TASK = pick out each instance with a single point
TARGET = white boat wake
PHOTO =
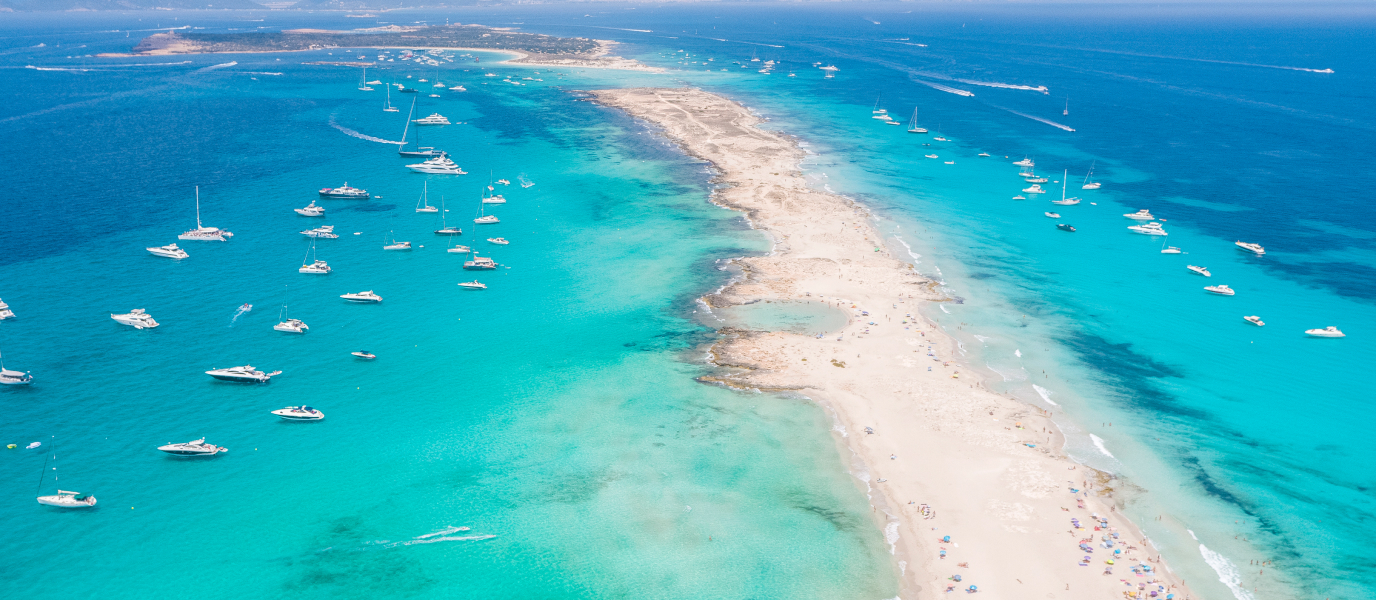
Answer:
(361, 136)
(945, 88)
(1008, 86)
(238, 312)
(1038, 119)
(213, 67)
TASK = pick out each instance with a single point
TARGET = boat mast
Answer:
(44, 473)
(198, 207)
(408, 124)
(1063, 176)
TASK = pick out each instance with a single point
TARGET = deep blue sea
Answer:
(555, 414)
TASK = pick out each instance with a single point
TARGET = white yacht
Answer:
(460, 250)
(486, 220)
(1052, 215)
(364, 354)
(5, 312)
(1035, 189)
(288, 324)
(346, 192)
(1255, 320)
(493, 198)
(472, 285)
(1220, 289)
(1152, 228)
(984, 154)
(137, 318)
(65, 499)
(440, 165)
(395, 245)
(367, 296)
(201, 232)
(1170, 250)
(299, 413)
(498, 241)
(1200, 270)
(323, 231)
(1328, 332)
(1037, 179)
(480, 263)
(1025, 162)
(244, 374)
(193, 448)
(1019, 197)
(1141, 215)
(311, 210)
(1253, 248)
(169, 251)
(433, 119)
(8, 377)
(458, 88)
(423, 205)
(829, 68)
(931, 156)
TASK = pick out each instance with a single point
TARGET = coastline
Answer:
(946, 457)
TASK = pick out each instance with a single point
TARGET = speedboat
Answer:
(323, 231)
(1200, 270)
(480, 263)
(345, 192)
(472, 285)
(364, 354)
(940, 139)
(1065, 227)
(1220, 289)
(367, 296)
(1019, 197)
(299, 413)
(1141, 215)
(1170, 250)
(398, 246)
(931, 156)
(1253, 248)
(311, 210)
(5, 312)
(136, 319)
(433, 119)
(1036, 179)
(65, 499)
(984, 154)
(193, 448)
(950, 162)
(1025, 162)
(458, 88)
(1035, 189)
(486, 220)
(1328, 332)
(1052, 215)
(499, 241)
(1255, 320)
(440, 165)
(504, 181)
(319, 267)
(291, 326)
(1152, 228)
(169, 251)
(244, 374)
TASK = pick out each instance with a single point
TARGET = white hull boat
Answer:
(193, 448)
(1221, 290)
(365, 297)
(137, 318)
(299, 413)
(168, 251)
(244, 374)
(1327, 332)
(65, 499)
(1253, 248)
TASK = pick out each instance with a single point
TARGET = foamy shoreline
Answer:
(989, 468)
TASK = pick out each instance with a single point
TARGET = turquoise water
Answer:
(531, 411)
(804, 317)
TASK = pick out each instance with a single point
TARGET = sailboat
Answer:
(446, 228)
(1067, 106)
(1090, 185)
(318, 267)
(938, 137)
(387, 105)
(288, 324)
(363, 82)
(1065, 201)
(395, 245)
(202, 232)
(8, 377)
(63, 498)
(420, 151)
(423, 205)
(483, 218)
(912, 123)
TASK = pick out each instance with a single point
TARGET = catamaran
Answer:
(912, 123)
(319, 267)
(202, 232)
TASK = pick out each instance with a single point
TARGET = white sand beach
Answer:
(963, 482)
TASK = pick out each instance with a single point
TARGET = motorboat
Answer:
(323, 231)
(65, 499)
(984, 154)
(367, 296)
(311, 210)
(460, 250)
(1026, 174)
(299, 413)
(1328, 332)
(498, 241)
(319, 267)
(440, 165)
(1200, 270)
(244, 374)
(5, 312)
(494, 199)
(458, 88)
(504, 181)
(480, 263)
(1152, 228)
(1019, 197)
(1035, 189)
(193, 448)
(931, 156)
(1170, 250)
(433, 119)
(1036, 179)
(169, 251)
(364, 354)
(829, 68)
(345, 192)
(1065, 227)
(395, 245)
(1051, 215)
(950, 162)
(1253, 248)
(1255, 320)
(1141, 215)
(137, 318)
(940, 139)
(1220, 289)
(201, 232)
(1025, 162)
(472, 285)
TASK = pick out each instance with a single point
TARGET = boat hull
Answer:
(65, 502)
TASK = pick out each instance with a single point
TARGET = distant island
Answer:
(531, 48)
